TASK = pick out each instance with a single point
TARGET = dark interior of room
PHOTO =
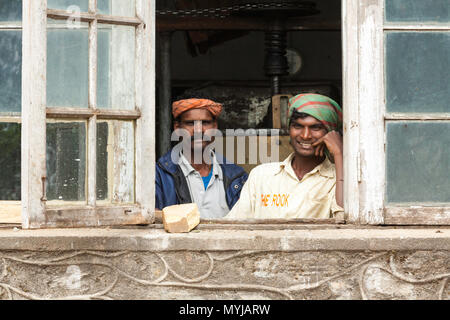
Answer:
(241, 53)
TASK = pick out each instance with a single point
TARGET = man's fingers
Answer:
(319, 150)
(318, 142)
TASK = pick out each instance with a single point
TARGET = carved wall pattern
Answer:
(224, 275)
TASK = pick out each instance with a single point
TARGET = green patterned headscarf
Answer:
(324, 109)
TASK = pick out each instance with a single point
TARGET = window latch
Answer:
(44, 189)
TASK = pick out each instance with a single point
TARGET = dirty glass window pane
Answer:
(67, 67)
(117, 7)
(69, 5)
(66, 160)
(418, 162)
(417, 10)
(10, 161)
(10, 70)
(10, 10)
(417, 71)
(103, 41)
(116, 66)
(115, 161)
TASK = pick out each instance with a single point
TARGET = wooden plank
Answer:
(69, 113)
(85, 113)
(398, 26)
(417, 215)
(89, 17)
(145, 100)
(116, 20)
(65, 15)
(10, 212)
(444, 116)
(92, 6)
(10, 25)
(371, 129)
(92, 123)
(34, 99)
(14, 119)
(350, 87)
(278, 115)
(276, 112)
(80, 217)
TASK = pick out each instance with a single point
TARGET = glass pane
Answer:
(417, 10)
(10, 71)
(116, 63)
(66, 161)
(69, 5)
(115, 161)
(418, 162)
(418, 71)
(117, 7)
(10, 10)
(10, 161)
(67, 67)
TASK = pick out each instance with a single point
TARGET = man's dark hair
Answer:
(297, 115)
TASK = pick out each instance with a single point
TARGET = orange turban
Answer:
(178, 107)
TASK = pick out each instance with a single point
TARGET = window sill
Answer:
(222, 238)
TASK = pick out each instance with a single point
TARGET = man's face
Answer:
(196, 122)
(304, 132)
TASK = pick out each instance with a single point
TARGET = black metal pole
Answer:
(276, 64)
(165, 94)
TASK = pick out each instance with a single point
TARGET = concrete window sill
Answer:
(221, 238)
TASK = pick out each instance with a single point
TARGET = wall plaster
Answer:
(167, 271)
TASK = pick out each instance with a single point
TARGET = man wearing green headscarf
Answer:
(309, 183)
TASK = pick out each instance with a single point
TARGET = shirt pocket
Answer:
(317, 206)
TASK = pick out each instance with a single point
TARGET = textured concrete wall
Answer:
(177, 273)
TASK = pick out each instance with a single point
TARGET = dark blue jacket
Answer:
(172, 187)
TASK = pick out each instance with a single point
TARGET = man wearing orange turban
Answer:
(214, 184)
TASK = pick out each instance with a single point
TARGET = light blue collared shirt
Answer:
(211, 201)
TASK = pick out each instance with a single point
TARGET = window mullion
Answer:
(350, 88)
(34, 99)
(145, 102)
(371, 128)
(92, 122)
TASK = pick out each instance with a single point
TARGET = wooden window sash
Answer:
(350, 90)
(86, 113)
(363, 92)
(36, 213)
(90, 17)
(10, 209)
(417, 213)
(416, 27)
(364, 143)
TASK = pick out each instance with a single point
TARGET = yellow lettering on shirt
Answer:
(265, 200)
(278, 200)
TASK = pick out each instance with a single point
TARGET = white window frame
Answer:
(35, 212)
(364, 132)
(363, 29)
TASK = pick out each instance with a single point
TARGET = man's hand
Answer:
(332, 141)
